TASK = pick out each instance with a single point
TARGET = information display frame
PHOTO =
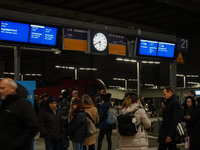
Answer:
(44, 42)
(153, 49)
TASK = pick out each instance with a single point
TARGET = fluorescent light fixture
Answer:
(12, 73)
(39, 74)
(179, 75)
(156, 62)
(148, 84)
(144, 62)
(126, 59)
(114, 78)
(5, 72)
(150, 62)
(94, 68)
(192, 76)
(88, 69)
(71, 67)
(82, 68)
(27, 74)
(57, 66)
(119, 59)
(33, 74)
(133, 61)
(132, 79)
(192, 82)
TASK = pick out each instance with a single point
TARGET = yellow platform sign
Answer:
(180, 59)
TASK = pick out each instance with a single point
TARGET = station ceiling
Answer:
(176, 17)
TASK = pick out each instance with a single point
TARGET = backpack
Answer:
(181, 132)
(112, 116)
(125, 125)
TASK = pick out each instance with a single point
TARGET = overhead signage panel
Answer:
(27, 34)
(117, 44)
(74, 39)
(155, 49)
(12, 31)
(182, 44)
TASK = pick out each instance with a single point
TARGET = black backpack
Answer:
(125, 125)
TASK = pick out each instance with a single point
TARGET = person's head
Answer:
(134, 98)
(126, 95)
(102, 92)
(7, 87)
(190, 101)
(198, 101)
(127, 102)
(168, 92)
(87, 99)
(35, 97)
(192, 93)
(63, 90)
(75, 93)
(77, 104)
(45, 97)
(142, 98)
(52, 102)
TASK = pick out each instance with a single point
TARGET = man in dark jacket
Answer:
(172, 116)
(104, 127)
(99, 99)
(18, 121)
(50, 124)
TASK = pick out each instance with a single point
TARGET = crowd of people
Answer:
(67, 118)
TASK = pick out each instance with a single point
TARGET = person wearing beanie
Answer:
(193, 127)
(104, 127)
(50, 124)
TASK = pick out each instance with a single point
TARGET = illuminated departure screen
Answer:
(148, 47)
(12, 31)
(166, 49)
(43, 35)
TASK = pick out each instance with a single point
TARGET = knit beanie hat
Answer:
(51, 99)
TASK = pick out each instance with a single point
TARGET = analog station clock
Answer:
(97, 42)
(100, 41)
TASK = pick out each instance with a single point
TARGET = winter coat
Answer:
(77, 126)
(172, 115)
(49, 123)
(92, 111)
(194, 128)
(139, 141)
(18, 121)
(103, 110)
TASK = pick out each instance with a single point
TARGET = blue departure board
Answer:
(43, 35)
(148, 47)
(155, 49)
(12, 31)
(166, 49)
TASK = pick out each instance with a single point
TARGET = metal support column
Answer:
(76, 73)
(138, 78)
(173, 82)
(17, 53)
(184, 81)
(126, 84)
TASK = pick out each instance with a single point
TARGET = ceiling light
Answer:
(126, 60)
(119, 59)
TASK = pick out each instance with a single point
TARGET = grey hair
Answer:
(87, 99)
(12, 83)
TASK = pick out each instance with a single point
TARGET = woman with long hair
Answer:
(138, 141)
(77, 127)
(90, 110)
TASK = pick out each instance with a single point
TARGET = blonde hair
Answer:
(87, 99)
(127, 102)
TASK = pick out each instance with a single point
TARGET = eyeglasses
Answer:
(189, 102)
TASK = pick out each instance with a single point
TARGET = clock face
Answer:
(100, 41)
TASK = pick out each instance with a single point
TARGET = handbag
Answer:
(187, 143)
(181, 132)
(90, 130)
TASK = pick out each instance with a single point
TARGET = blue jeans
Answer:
(52, 144)
(77, 145)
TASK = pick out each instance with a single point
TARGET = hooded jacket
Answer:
(139, 141)
(18, 121)
(103, 110)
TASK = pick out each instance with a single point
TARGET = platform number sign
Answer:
(182, 44)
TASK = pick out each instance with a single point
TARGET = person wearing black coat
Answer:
(50, 124)
(172, 116)
(193, 127)
(104, 127)
(77, 126)
(18, 121)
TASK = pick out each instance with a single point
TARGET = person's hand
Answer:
(188, 117)
(168, 139)
(100, 103)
